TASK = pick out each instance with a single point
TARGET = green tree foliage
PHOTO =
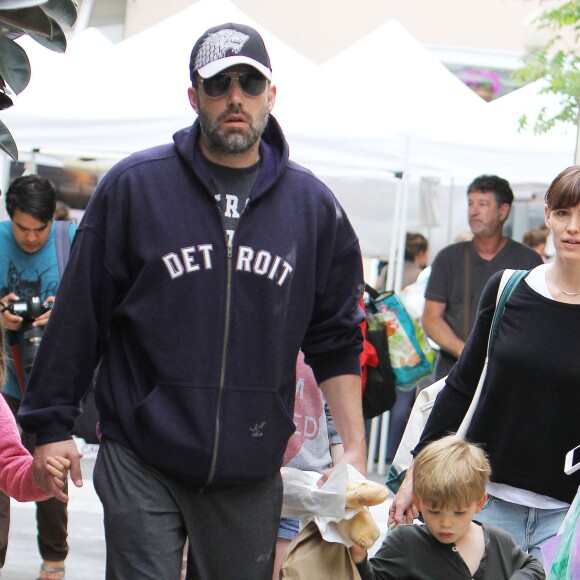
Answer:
(42, 20)
(558, 64)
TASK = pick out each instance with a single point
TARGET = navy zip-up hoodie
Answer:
(198, 339)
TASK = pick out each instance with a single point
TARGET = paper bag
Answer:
(309, 557)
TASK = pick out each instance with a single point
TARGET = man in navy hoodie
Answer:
(198, 272)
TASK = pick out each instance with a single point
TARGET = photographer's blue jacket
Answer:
(198, 338)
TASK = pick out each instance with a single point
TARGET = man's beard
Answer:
(483, 230)
(232, 141)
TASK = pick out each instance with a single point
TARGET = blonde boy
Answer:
(450, 476)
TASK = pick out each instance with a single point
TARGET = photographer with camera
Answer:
(29, 278)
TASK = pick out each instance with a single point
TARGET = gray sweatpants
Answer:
(148, 515)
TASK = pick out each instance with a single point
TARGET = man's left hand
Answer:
(357, 459)
(43, 479)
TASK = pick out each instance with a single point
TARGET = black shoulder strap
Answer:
(62, 240)
(466, 311)
(374, 294)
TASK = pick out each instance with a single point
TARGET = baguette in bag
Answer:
(361, 529)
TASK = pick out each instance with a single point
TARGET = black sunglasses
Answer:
(251, 83)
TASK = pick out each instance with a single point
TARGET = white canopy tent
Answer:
(377, 96)
(129, 98)
(62, 92)
(383, 106)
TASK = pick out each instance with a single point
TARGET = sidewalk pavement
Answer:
(86, 559)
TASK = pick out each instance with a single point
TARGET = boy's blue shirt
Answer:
(26, 275)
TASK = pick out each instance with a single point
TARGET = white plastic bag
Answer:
(324, 505)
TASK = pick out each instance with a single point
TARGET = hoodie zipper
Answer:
(229, 247)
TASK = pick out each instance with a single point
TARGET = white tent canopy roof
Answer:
(384, 105)
(133, 96)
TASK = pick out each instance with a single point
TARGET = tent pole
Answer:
(84, 16)
(381, 436)
(381, 466)
(450, 210)
(402, 233)
(372, 450)
(390, 283)
(401, 218)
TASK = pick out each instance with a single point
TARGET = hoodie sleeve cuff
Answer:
(343, 363)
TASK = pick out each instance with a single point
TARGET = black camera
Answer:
(29, 310)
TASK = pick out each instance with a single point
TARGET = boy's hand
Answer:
(357, 554)
(58, 467)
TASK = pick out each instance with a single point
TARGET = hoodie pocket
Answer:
(173, 429)
(253, 434)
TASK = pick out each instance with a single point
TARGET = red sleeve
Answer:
(368, 356)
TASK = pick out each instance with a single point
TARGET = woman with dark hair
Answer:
(527, 416)
(416, 252)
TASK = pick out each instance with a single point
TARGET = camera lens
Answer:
(31, 342)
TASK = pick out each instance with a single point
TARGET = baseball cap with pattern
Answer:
(226, 45)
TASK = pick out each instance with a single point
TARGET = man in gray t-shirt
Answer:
(451, 297)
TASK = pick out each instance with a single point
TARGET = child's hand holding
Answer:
(358, 554)
(58, 467)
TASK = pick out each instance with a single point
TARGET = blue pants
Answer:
(529, 527)
(148, 514)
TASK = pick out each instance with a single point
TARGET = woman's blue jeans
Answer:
(529, 527)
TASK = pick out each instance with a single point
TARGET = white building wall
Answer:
(322, 28)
